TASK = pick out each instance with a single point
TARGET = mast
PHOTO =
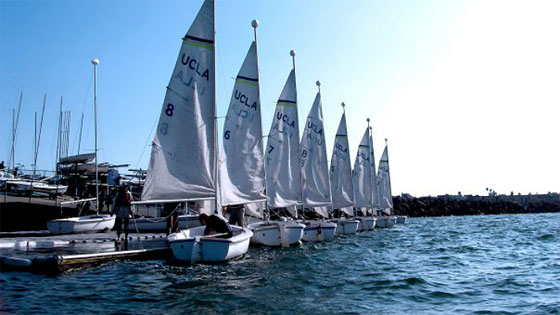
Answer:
(215, 127)
(38, 141)
(293, 54)
(255, 24)
(80, 138)
(59, 136)
(95, 62)
(389, 175)
(14, 132)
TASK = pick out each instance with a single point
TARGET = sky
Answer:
(466, 92)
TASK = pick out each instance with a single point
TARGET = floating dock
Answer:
(53, 254)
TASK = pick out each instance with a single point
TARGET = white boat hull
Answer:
(366, 223)
(346, 226)
(160, 224)
(190, 246)
(276, 233)
(84, 224)
(385, 222)
(318, 231)
(401, 219)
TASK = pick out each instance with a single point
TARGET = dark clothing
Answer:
(172, 220)
(119, 224)
(216, 225)
(236, 214)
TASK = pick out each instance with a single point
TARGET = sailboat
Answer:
(241, 163)
(387, 219)
(282, 169)
(316, 190)
(363, 197)
(183, 162)
(90, 223)
(340, 174)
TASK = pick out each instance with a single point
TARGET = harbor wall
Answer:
(448, 205)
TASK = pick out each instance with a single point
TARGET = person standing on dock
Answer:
(122, 208)
(236, 214)
(171, 213)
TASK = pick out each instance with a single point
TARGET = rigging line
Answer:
(150, 135)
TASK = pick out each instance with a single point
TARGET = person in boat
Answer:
(172, 217)
(236, 214)
(16, 172)
(215, 226)
(2, 166)
(122, 208)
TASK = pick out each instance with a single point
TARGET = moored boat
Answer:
(276, 233)
(191, 246)
(401, 219)
(185, 221)
(83, 224)
(346, 226)
(318, 231)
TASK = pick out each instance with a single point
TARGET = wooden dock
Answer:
(54, 254)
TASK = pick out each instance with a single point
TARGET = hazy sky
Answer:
(467, 92)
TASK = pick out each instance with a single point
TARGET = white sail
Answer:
(316, 190)
(283, 183)
(242, 159)
(341, 171)
(374, 193)
(182, 161)
(384, 183)
(362, 175)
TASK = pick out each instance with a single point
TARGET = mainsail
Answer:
(362, 175)
(374, 193)
(183, 151)
(314, 165)
(341, 170)
(241, 164)
(283, 184)
(384, 183)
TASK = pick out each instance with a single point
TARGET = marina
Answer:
(216, 168)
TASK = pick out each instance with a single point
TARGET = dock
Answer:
(33, 252)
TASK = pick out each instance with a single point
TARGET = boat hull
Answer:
(318, 231)
(276, 233)
(160, 224)
(401, 219)
(84, 224)
(190, 246)
(346, 226)
(385, 222)
(366, 223)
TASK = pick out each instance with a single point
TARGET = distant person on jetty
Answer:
(122, 208)
(170, 211)
(236, 214)
(215, 226)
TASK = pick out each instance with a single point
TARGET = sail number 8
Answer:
(169, 110)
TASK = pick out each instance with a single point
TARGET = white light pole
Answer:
(95, 62)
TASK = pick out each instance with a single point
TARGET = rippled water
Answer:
(485, 264)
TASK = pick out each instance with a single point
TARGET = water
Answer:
(475, 264)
